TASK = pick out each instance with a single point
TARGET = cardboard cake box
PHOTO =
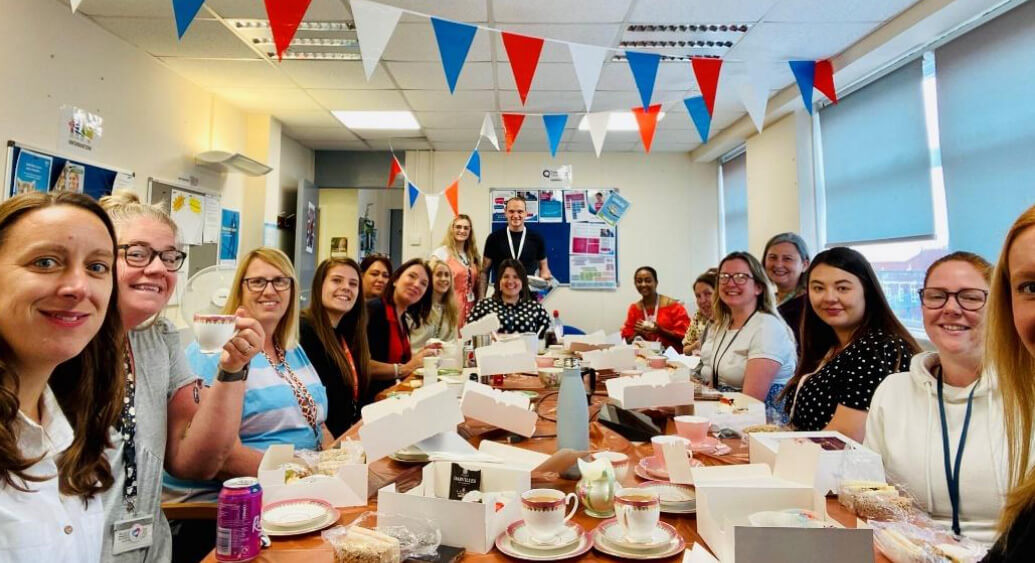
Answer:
(347, 487)
(866, 464)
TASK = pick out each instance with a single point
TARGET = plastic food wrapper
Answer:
(415, 536)
(904, 542)
(873, 500)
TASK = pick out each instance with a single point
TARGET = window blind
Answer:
(734, 202)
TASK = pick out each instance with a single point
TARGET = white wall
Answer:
(772, 183)
(672, 223)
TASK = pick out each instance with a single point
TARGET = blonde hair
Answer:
(286, 333)
(1014, 366)
(766, 302)
(450, 311)
(470, 246)
(124, 205)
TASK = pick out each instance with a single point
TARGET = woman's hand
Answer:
(645, 329)
(244, 345)
(417, 360)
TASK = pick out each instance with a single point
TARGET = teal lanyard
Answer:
(952, 474)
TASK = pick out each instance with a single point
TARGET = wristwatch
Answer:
(227, 377)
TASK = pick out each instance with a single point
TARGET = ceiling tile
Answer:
(416, 42)
(657, 147)
(459, 147)
(400, 145)
(542, 101)
(811, 11)
(601, 35)
(360, 100)
(474, 11)
(470, 136)
(548, 11)
(442, 100)
(319, 10)
(548, 76)
(267, 100)
(335, 75)
(338, 133)
(338, 145)
(206, 39)
(130, 8)
(676, 75)
(230, 74)
(299, 119)
(700, 11)
(421, 76)
(386, 135)
(451, 119)
(788, 41)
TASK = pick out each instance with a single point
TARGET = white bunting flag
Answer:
(75, 5)
(754, 93)
(432, 201)
(489, 131)
(598, 128)
(588, 61)
(374, 26)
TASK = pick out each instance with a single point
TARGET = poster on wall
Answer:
(188, 210)
(593, 272)
(574, 205)
(32, 172)
(614, 209)
(79, 129)
(213, 217)
(339, 247)
(551, 206)
(592, 238)
(499, 204)
(310, 227)
(531, 205)
(229, 235)
(71, 179)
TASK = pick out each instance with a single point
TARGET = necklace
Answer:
(716, 360)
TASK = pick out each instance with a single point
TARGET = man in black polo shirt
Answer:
(516, 242)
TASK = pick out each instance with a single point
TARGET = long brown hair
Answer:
(450, 310)
(470, 246)
(417, 312)
(286, 333)
(1014, 366)
(88, 387)
(352, 328)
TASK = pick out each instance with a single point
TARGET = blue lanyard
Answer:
(952, 474)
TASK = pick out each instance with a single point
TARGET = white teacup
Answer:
(213, 331)
(543, 511)
(430, 370)
(637, 511)
(619, 461)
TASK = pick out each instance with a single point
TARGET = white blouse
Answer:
(44, 525)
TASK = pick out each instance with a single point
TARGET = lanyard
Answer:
(521, 245)
(127, 426)
(653, 317)
(716, 362)
(952, 474)
(352, 367)
(305, 400)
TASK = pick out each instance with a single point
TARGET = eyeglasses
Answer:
(280, 283)
(141, 256)
(739, 278)
(970, 299)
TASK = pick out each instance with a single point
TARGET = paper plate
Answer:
(297, 513)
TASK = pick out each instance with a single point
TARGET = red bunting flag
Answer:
(511, 126)
(396, 169)
(824, 79)
(706, 72)
(523, 52)
(284, 16)
(452, 193)
(648, 122)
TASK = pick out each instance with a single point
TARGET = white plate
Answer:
(298, 513)
(616, 535)
(329, 519)
(507, 546)
(675, 546)
(520, 535)
(671, 493)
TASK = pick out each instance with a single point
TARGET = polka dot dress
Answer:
(525, 316)
(849, 379)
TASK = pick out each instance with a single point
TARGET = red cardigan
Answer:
(672, 317)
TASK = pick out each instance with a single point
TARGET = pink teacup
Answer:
(657, 442)
(657, 362)
(693, 428)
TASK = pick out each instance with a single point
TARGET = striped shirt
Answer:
(271, 414)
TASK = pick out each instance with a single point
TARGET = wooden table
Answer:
(311, 548)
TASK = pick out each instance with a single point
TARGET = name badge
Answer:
(133, 533)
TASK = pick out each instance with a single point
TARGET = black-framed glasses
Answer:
(969, 299)
(280, 283)
(739, 278)
(141, 256)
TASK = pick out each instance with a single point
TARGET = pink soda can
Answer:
(239, 520)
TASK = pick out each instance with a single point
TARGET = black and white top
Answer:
(525, 316)
(848, 379)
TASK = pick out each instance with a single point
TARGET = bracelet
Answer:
(396, 366)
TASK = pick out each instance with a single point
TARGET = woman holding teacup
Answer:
(333, 332)
(187, 437)
(655, 317)
(60, 377)
(944, 398)
(285, 402)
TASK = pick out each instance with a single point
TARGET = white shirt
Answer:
(45, 525)
(763, 336)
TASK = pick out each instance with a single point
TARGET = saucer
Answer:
(507, 546)
(614, 534)
(295, 513)
(330, 517)
(674, 546)
(520, 535)
(672, 494)
(650, 468)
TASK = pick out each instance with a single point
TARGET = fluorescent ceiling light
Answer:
(395, 120)
(619, 121)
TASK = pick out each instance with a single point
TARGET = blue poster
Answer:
(32, 172)
(229, 235)
(613, 209)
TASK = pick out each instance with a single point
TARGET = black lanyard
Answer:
(952, 474)
(126, 425)
(717, 359)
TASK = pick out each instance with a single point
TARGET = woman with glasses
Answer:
(947, 407)
(460, 252)
(187, 437)
(655, 317)
(377, 270)
(284, 402)
(441, 322)
(750, 349)
(850, 341)
(61, 385)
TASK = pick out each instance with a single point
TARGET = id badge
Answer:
(470, 297)
(133, 533)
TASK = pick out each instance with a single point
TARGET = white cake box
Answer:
(392, 425)
(728, 495)
(650, 390)
(866, 464)
(616, 358)
(511, 356)
(348, 487)
(745, 411)
(471, 525)
(503, 409)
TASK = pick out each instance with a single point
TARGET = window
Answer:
(733, 183)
